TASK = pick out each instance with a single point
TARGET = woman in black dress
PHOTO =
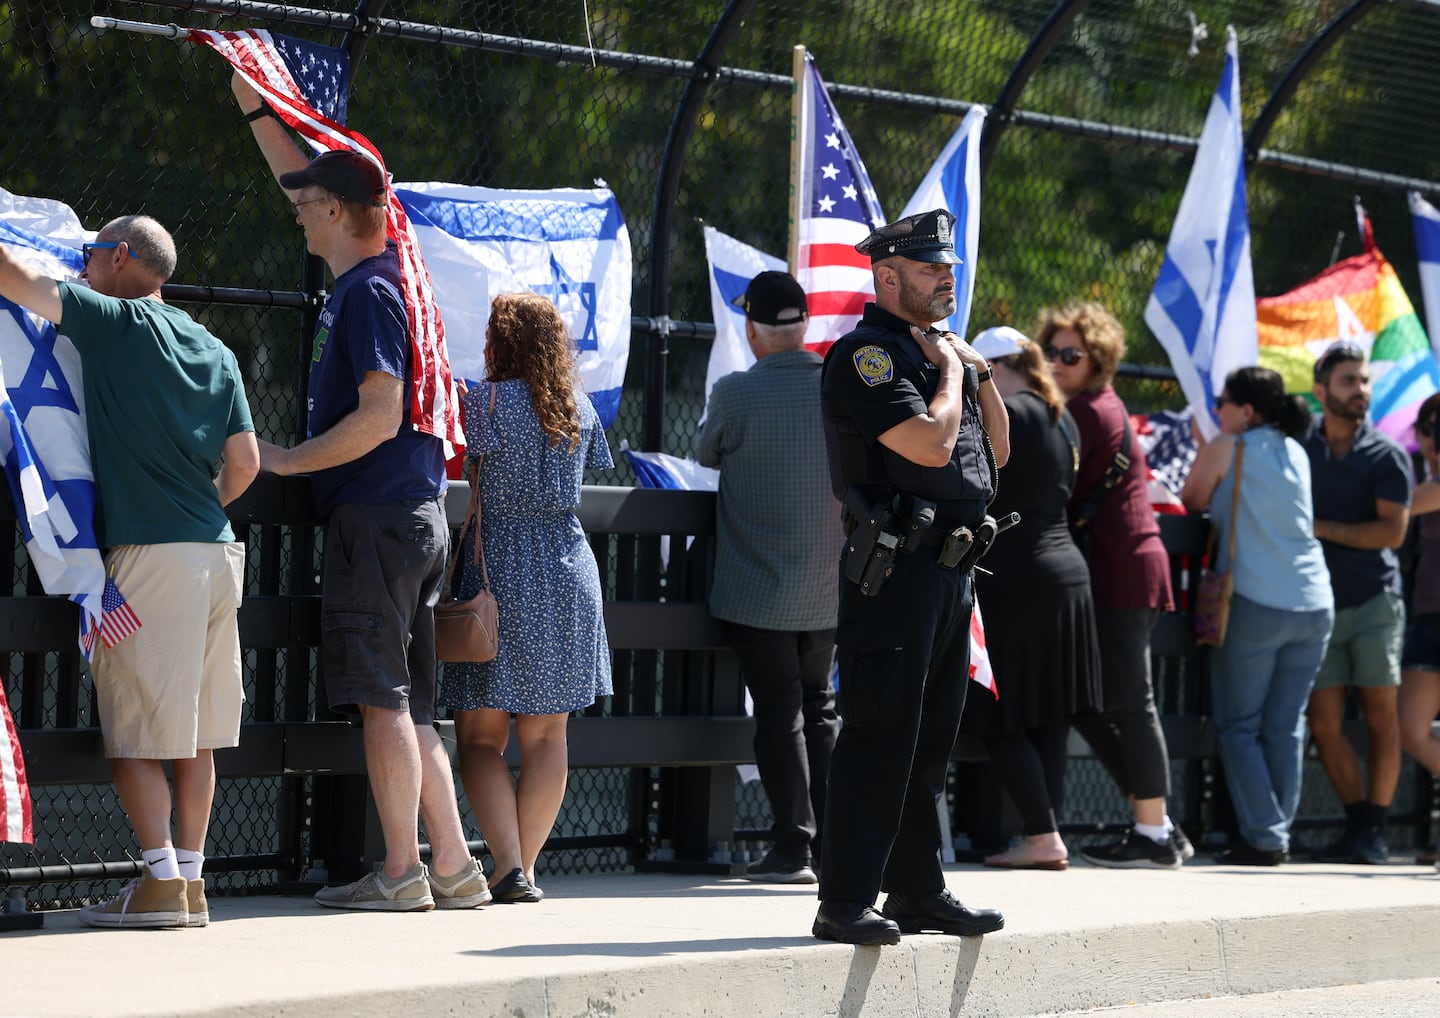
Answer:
(1039, 615)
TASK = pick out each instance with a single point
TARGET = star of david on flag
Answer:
(43, 437)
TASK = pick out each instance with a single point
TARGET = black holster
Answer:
(870, 549)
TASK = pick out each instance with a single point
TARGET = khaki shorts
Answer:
(173, 686)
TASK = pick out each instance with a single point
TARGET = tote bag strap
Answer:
(1234, 512)
(476, 508)
(472, 517)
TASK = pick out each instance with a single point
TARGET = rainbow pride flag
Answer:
(1358, 299)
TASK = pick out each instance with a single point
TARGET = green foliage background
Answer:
(114, 122)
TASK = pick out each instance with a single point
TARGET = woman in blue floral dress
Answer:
(536, 443)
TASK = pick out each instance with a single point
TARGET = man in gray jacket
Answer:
(777, 563)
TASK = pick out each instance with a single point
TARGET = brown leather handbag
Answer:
(469, 630)
(1212, 600)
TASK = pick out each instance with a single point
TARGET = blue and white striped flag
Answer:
(1203, 306)
(953, 183)
(1427, 246)
(567, 244)
(43, 440)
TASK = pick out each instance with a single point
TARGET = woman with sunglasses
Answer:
(1039, 613)
(1420, 660)
(1282, 607)
(1130, 578)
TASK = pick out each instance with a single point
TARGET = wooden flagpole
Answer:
(799, 130)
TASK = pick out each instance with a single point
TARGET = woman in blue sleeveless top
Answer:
(1282, 609)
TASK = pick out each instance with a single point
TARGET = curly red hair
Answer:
(527, 339)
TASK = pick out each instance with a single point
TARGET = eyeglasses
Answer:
(298, 205)
(1223, 400)
(1426, 427)
(86, 250)
(1070, 356)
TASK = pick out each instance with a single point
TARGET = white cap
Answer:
(999, 341)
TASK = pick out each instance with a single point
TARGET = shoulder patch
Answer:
(874, 365)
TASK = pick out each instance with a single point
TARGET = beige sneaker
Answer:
(466, 889)
(375, 892)
(196, 904)
(144, 903)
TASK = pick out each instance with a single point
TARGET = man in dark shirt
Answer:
(906, 411)
(1360, 481)
(378, 482)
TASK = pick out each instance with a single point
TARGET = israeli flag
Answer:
(953, 183)
(1427, 245)
(733, 263)
(567, 244)
(43, 440)
(1203, 306)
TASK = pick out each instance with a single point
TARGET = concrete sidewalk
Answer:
(647, 945)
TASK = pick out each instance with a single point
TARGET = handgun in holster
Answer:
(869, 550)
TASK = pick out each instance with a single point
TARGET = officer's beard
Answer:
(927, 306)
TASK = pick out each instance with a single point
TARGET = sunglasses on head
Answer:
(1070, 356)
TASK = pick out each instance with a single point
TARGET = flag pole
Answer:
(138, 27)
(799, 130)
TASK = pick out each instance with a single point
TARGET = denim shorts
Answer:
(1422, 644)
(1365, 645)
(384, 565)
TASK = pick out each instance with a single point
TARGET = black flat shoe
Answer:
(853, 924)
(1242, 853)
(940, 913)
(514, 889)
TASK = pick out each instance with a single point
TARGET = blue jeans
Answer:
(1259, 683)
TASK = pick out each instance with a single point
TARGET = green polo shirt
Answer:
(161, 397)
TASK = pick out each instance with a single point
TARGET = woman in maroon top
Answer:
(1130, 577)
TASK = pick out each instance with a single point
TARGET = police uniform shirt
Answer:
(876, 378)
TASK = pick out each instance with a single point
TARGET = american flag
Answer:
(838, 209)
(16, 821)
(300, 80)
(118, 621)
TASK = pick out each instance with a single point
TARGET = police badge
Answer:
(874, 365)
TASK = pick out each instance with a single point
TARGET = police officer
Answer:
(906, 409)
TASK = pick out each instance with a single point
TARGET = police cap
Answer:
(926, 237)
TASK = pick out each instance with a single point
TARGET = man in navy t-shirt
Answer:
(1360, 482)
(378, 482)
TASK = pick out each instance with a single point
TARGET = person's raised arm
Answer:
(929, 438)
(29, 288)
(1209, 469)
(377, 417)
(271, 134)
(1386, 531)
(241, 465)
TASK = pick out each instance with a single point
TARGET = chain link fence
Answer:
(1090, 143)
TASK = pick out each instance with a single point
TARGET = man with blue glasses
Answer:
(164, 403)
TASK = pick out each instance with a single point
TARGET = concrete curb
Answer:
(649, 945)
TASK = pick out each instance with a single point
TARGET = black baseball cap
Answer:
(771, 293)
(343, 173)
(926, 237)
(1337, 352)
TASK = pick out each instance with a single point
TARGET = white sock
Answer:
(161, 862)
(1158, 833)
(191, 863)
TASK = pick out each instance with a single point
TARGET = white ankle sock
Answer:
(1157, 833)
(191, 863)
(161, 863)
